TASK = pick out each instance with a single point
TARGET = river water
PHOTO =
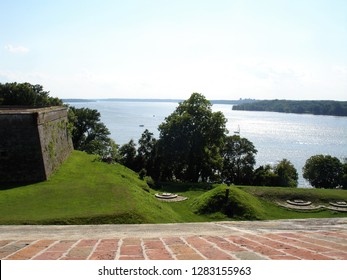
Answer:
(275, 135)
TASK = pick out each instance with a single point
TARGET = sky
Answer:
(224, 49)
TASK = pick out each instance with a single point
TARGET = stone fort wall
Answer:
(33, 143)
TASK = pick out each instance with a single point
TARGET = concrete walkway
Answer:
(278, 240)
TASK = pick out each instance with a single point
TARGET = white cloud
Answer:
(16, 49)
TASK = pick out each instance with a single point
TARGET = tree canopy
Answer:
(25, 94)
(91, 135)
(323, 171)
(282, 174)
(344, 176)
(238, 160)
(287, 174)
(146, 153)
(191, 139)
(127, 155)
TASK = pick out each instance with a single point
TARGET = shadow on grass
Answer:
(8, 186)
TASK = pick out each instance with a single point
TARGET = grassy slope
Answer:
(85, 191)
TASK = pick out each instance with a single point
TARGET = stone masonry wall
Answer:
(33, 143)
(55, 140)
(20, 154)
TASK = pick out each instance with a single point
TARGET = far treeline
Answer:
(315, 107)
(193, 146)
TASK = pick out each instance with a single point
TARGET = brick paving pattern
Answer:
(242, 245)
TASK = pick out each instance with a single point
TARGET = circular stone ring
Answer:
(299, 202)
(165, 195)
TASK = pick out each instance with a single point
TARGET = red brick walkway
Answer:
(246, 241)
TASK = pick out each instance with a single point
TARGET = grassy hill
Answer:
(86, 191)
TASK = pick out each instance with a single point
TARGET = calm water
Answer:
(275, 135)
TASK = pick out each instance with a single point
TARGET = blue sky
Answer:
(224, 49)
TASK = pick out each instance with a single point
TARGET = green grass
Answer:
(86, 191)
(274, 194)
(259, 203)
(271, 195)
(184, 208)
(230, 202)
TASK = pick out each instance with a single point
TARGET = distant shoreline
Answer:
(231, 102)
(314, 107)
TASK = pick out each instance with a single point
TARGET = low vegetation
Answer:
(87, 191)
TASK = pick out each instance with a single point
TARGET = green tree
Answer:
(89, 134)
(344, 176)
(287, 174)
(265, 176)
(127, 155)
(146, 152)
(190, 141)
(238, 160)
(25, 94)
(282, 174)
(323, 171)
(108, 151)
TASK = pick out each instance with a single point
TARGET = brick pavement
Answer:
(313, 239)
